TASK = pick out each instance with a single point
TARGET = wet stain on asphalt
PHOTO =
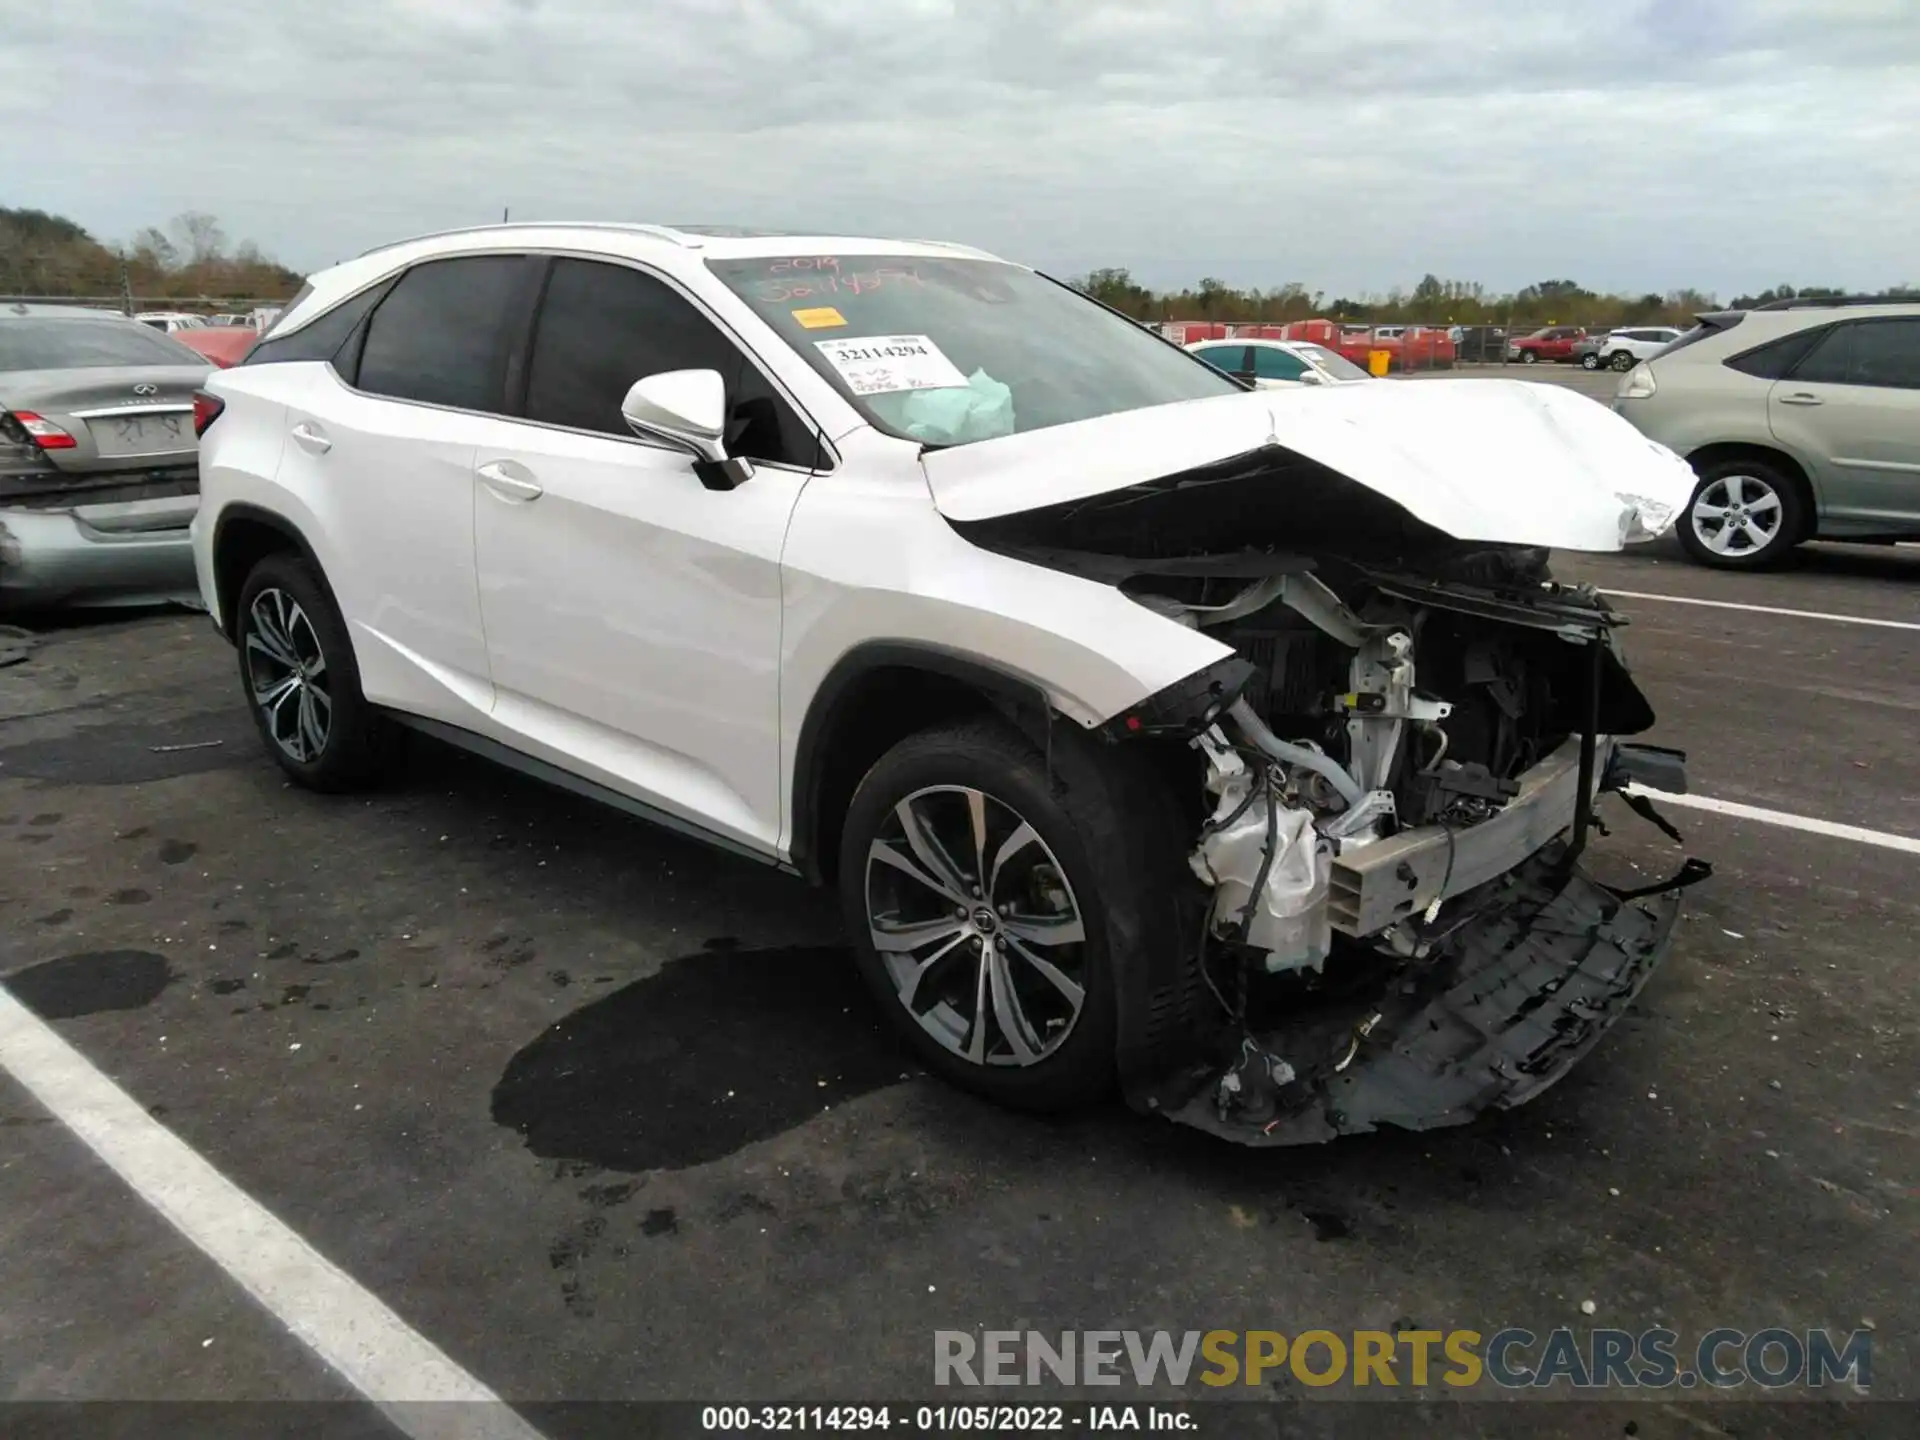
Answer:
(340, 958)
(713, 1053)
(90, 982)
(133, 754)
(47, 817)
(132, 896)
(660, 1222)
(283, 952)
(56, 917)
(226, 987)
(1327, 1225)
(177, 852)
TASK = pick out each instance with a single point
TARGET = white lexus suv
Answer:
(1233, 746)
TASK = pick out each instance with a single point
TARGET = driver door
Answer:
(632, 616)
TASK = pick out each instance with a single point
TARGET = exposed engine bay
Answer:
(1399, 767)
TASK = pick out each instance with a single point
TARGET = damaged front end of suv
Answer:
(1392, 778)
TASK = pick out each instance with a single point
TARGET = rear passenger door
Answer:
(1852, 407)
(380, 447)
(632, 615)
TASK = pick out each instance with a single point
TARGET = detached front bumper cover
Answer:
(1514, 998)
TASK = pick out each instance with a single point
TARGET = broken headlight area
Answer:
(1397, 772)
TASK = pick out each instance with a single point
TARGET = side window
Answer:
(604, 326)
(440, 335)
(1230, 358)
(1775, 358)
(1886, 353)
(1829, 360)
(1271, 364)
(324, 338)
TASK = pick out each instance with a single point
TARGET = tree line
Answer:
(189, 260)
(1433, 301)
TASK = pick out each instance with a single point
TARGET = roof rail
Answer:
(1824, 302)
(658, 232)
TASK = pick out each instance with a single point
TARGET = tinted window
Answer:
(438, 336)
(1271, 364)
(1886, 352)
(1776, 357)
(324, 338)
(51, 343)
(1827, 363)
(602, 327)
(1230, 358)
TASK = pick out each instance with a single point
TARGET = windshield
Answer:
(51, 343)
(949, 352)
(1334, 363)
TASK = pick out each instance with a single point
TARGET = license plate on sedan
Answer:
(142, 434)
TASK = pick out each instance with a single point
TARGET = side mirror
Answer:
(687, 408)
(1312, 377)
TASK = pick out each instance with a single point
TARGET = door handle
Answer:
(1801, 397)
(510, 481)
(309, 438)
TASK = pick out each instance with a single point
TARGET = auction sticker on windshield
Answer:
(883, 364)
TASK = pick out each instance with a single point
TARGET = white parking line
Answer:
(1766, 609)
(402, 1372)
(1885, 839)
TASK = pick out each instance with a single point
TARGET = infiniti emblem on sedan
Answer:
(143, 388)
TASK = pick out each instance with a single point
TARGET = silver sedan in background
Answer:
(99, 462)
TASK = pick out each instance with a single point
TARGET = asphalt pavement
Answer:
(603, 1115)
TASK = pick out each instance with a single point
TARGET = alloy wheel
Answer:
(287, 675)
(971, 914)
(1623, 361)
(1737, 515)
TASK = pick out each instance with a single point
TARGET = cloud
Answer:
(1351, 146)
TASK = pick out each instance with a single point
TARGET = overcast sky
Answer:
(1347, 144)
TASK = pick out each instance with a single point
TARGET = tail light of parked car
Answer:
(44, 433)
(206, 410)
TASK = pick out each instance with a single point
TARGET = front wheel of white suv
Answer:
(1744, 515)
(987, 901)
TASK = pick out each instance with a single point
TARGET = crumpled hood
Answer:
(1506, 462)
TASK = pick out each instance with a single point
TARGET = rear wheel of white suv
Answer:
(1745, 515)
(985, 903)
(301, 680)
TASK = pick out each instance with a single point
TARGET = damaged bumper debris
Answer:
(1504, 1007)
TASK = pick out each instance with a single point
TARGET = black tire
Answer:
(1720, 483)
(1590, 361)
(1529, 357)
(1622, 361)
(1090, 829)
(357, 741)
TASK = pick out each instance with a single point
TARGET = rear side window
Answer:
(324, 338)
(1885, 353)
(439, 336)
(1230, 358)
(603, 326)
(1828, 361)
(1270, 364)
(1774, 359)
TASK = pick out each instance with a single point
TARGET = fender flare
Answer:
(271, 520)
